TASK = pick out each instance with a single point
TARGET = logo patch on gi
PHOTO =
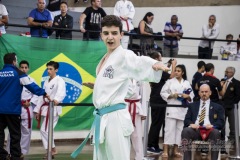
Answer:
(231, 89)
(52, 86)
(215, 116)
(108, 72)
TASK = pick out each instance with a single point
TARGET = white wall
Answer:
(192, 19)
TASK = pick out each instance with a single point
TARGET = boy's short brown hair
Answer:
(111, 20)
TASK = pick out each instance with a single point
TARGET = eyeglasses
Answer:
(211, 19)
(228, 72)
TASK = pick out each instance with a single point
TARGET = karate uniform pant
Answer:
(25, 137)
(136, 138)
(116, 146)
(173, 130)
(124, 42)
(44, 133)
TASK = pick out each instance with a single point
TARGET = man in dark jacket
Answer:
(207, 114)
(12, 81)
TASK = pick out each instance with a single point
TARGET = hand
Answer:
(82, 30)
(185, 96)
(210, 25)
(55, 102)
(26, 104)
(47, 96)
(194, 126)
(37, 116)
(89, 85)
(209, 126)
(178, 38)
(174, 62)
(175, 95)
(143, 117)
(56, 24)
(45, 25)
(160, 66)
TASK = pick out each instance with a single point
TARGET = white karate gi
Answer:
(125, 8)
(56, 89)
(232, 48)
(25, 130)
(174, 115)
(135, 93)
(110, 88)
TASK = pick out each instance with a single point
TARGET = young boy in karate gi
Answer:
(112, 124)
(28, 101)
(55, 87)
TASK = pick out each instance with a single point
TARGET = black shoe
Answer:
(224, 153)
(154, 150)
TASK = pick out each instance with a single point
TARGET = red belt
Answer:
(132, 103)
(40, 115)
(126, 23)
(28, 111)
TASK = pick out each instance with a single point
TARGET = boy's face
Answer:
(111, 37)
(24, 68)
(51, 71)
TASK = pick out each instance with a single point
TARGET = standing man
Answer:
(158, 113)
(55, 87)
(209, 31)
(124, 9)
(173, 33)
(228, 50)
(196, 77)
(214, 83)
(92, 17)
(38, 19)
(28, 101)
(113, 125)
(63, 21)
(230, 97)
(3, 18)
(12, 81)
(203, 113)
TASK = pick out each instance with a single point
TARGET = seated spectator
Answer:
(229, 49)
(54, 7)
(3, 18)
(173, 33)
(39, 18)
(203, 113)
(238, 49)
(145, 28)
(63, 21)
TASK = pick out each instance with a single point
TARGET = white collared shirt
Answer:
(206, 119)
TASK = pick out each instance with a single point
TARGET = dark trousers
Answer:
(229, 113)
(189, 135)
(158, 118)
(205, 53)
(13, 122)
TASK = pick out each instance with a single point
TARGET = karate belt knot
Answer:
(98, 113)
(132, 104)
(28, 111)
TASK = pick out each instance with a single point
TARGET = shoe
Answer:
(224, 153)
(204, 153)
(154, 150)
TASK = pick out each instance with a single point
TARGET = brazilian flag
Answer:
(78, 61)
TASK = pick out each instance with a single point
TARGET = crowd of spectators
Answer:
(43, 17)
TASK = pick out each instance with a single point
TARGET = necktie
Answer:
(202, 115)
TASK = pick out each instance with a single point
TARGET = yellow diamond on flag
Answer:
(72, 74)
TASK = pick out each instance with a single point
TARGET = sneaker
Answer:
(154, 150)
(224, 153)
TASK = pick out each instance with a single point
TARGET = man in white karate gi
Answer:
(113, 124)
(125, 10)
(55, 87)
(137, 111)
(28, 101)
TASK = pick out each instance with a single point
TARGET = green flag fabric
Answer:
(78, 61)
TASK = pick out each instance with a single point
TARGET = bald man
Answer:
(212, 119)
